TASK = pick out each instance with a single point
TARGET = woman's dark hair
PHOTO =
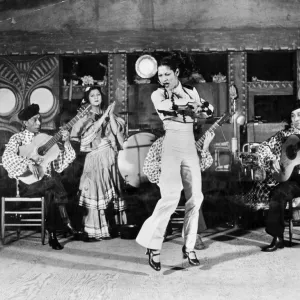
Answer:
(178, 60)
(296, 105)
(87, 93)
(288, 119)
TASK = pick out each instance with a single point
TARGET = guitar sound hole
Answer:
(41, 151)
(291, 152)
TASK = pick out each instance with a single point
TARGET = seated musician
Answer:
(49, 185)
(269, 155)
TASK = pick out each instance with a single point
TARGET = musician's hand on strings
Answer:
(34, 170)
(209, 135)
(65, 135)
(275, 165)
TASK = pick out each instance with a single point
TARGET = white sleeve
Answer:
(207, 108)
(196, 97)
(160, 102)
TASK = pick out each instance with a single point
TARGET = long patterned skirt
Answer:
(100, 190)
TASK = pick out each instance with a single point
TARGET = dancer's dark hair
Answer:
(182, 61)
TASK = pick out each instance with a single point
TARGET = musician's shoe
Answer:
(277, 243)
(87, 239)
(53, 242)
(199, 245)
(76, 234)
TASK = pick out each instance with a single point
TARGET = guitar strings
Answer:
(57, 136)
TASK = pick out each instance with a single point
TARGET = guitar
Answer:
(152, 163)
(290, 157)
(225, 117)
(44, 149)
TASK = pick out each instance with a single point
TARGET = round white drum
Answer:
(131, 158)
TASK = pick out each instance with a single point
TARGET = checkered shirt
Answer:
(16, 165)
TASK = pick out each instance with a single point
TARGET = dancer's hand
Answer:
(104, 116)
(109, 110)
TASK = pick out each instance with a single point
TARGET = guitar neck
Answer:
(57, 136)
(211, 129)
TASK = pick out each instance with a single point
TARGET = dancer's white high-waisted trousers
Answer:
(179, 167)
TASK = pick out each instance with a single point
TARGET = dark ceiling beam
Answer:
(92, 41)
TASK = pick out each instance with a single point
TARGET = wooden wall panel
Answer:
(143, 114)
(130, 25)
(260, 132)
(22, 75)
(267, 88)
(216, 94)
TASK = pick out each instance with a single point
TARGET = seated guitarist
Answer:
(49, 186)
(269, 154)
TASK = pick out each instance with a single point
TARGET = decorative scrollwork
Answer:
(271, 84)
(22, 76)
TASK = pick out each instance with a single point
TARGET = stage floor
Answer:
(232, 267)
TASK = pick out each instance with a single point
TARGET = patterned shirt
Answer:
(271, 148)
(268, 150)
(152, 163)
(16, 165)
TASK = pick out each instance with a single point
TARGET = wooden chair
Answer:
(293, 209)
(178, 216)
(176, 221)
(23, 217)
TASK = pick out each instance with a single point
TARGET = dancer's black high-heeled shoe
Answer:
(192, 261)
(154, 265)
(53, 242)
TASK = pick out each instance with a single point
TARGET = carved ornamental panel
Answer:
(25, 80)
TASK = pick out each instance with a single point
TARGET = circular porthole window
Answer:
(44, 98)
(7, 101)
